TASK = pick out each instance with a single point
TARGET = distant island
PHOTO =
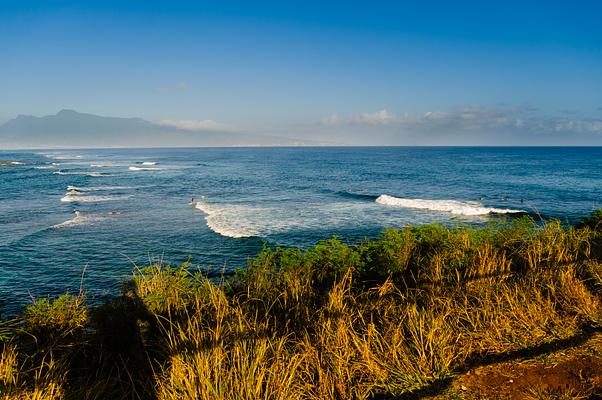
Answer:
(72, 129)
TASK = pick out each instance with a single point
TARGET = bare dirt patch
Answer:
(576, 376)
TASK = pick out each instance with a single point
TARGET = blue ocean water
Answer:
(65, 214)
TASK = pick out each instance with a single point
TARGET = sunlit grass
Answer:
(336, 321)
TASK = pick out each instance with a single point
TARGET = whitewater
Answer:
(109, 210)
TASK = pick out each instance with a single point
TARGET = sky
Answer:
(349, 72)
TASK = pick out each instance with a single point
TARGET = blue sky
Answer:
(373, 72)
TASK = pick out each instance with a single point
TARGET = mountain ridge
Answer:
(69, 128)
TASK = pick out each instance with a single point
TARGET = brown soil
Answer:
(563, 376)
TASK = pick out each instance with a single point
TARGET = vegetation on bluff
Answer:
(398, 317)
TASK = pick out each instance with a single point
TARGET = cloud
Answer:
(194, 125)
(580, 125)
(333, 120)
(382, 117)
(472, 119)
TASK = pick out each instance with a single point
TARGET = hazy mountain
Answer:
(69, 128)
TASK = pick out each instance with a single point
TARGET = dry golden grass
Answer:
(395, 316)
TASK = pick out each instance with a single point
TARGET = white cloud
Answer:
(580, 125)
(474, 119)
(191, 124)
(381, 117)
(332, 120)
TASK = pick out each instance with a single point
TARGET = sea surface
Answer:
(72, 219)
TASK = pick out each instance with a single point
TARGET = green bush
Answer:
(65, 315)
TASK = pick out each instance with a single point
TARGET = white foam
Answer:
(149, 163)
(74, 196)
(96, 188)
(144, 169)
(261, 220)
(78, 219)
(219, 220)
(46, 167)
(451, 206)
(274, 217)
(93, 174)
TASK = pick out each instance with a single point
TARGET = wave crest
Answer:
(144, 169)
(74, 196)
(93, 174)
(219, 221)
(96, 188)
(78, 219)
(452, 206)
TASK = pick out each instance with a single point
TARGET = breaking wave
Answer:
(144, 169)
(93, 174)
(219, 220)
(469, 208)
(267, 219)
(96, 188)
(78, 219)
(357, 196)
(75, 196)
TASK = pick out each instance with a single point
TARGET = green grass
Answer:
(393, 316)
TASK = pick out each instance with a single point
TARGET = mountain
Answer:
(70, 128)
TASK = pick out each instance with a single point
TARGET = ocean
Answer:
(72, 219)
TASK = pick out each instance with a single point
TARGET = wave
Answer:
(45, 167)
(219, 221)
(263, 220)
(75, 196)
(144, 169)
(357, 196)
(149, 163)
(96, 188)
(469, 208)
(93, 174)
(78, 219)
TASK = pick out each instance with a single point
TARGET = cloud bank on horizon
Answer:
(473, 119)
(191, 124)
(395, 73)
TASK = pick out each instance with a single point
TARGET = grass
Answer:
(397, 316)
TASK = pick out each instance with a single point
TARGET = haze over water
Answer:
(104, 210)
